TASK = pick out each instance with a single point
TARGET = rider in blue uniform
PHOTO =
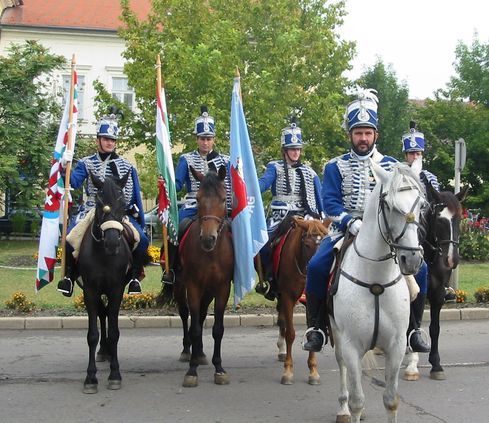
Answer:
(202, 159)
(413, 145)
(296, 190)
(347, 182)
(106, 162)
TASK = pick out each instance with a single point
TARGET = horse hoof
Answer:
(202, 361)
(114, 385)
(90, 388)
(221, 379)
(411, 376)
(287, 380)
(184, 357)
(314, 380)
(437, 375)
(343, 419)
(190, 381)
(281, 357)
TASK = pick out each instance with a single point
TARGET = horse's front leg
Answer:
(286, 315)
(113, 307)
(437, 372)
(393, 360)
(103, 352)
(412, 372)
(90, 385)
(220, 375)
(343, 414)
(191, 379)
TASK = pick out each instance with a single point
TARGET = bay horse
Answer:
(205, 272)
(302, 240)
(441, 231)
(104, 261)
(370, 306)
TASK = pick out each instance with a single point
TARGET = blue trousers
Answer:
(422, 278)
(319, 267)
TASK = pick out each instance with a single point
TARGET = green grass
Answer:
(21, 254)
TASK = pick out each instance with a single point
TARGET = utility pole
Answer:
(460, 157)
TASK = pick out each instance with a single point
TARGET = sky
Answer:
(417, 37)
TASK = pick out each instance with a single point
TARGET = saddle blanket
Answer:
(75, 236)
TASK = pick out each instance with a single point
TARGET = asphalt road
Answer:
(41, 376)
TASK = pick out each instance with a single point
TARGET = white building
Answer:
(87, 29)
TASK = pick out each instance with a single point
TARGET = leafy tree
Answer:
(472, 66)
(291, 62)
(29, 117)
(394, 109)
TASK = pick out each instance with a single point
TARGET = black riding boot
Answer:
(316, 333)
(136, 272)
(66, 285)
(169, 277)
(416, 341)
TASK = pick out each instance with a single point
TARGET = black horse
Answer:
(441, 224)
(104, 263)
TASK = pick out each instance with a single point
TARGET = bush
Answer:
(482, 294)
(461, 296)
(154, 252)
(19, 302)
(18, 223)
(129, 302)
(474, 242)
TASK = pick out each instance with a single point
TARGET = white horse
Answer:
(371, 305)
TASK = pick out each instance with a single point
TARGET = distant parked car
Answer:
(26, 222)
(152, 223)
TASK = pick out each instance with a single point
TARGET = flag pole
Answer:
(258, 265)
(159, 85)
(66, 195)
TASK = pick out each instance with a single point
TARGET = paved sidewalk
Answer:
(231, 320)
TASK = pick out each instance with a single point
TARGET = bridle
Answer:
(317, 240)
(111, 223)
(388, 237)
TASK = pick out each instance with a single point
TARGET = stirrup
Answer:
(450, 295)
(262, 287)
(65, 286)
(170, 277)
(424, 337)
(134, 287)
(313, 329)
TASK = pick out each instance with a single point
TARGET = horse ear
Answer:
(432, 193)
(96, 181)
(222, 173)
(380, 174)
(462, 194)
(197, 175)
(123, 181)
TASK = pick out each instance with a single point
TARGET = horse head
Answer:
(399, 205)
(110, 209)
(442, 221)
(313, 232)
(211, 199)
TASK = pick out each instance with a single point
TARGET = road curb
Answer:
(231, 320)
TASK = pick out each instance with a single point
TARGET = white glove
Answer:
(67, 158)
(355, 226)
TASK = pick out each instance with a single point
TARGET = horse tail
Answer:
(165, 297)
(370, 368)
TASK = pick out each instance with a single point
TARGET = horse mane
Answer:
(401, 174)
(314, 227)
(211, 184)
(452, 202)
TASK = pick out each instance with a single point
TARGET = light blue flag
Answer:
(248, 216)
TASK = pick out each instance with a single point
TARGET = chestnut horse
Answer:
(441, 224)
(302, 241)
(205, 272)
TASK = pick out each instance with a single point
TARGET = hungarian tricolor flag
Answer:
(248, 216)
(53, 205)
(167, 199)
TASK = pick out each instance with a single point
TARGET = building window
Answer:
(122, 91)
(81, 92)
